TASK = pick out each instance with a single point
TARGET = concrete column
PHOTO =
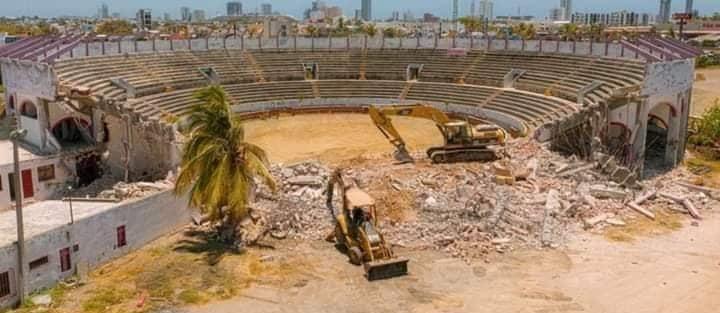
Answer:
(640, 136)
(43, 120)
(673, 135)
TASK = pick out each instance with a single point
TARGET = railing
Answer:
(108, 48)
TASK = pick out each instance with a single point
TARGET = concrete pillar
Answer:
(43, 111)
(673, 136)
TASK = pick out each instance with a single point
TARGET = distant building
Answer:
(514, 18)
(664, 15)
(620, 18)
(116, 15)
(185, 14)
(167, 17)
(395, 16)
(234, 8)
(366, 10)
(198, 16)
(266, 9)
(104, 11)
(486, 9)
(358, 14)
(321, 12)
(556, 14)
(566, 7)
(430, 18)
(689, 6)
(455, 10)
(143, 19)
(408, 16)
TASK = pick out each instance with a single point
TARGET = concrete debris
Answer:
(605, 192)
(42, 300)
(685, 202)
(107, 187)
(461, 209)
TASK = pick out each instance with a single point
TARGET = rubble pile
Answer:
(464, 210)
(108, 187)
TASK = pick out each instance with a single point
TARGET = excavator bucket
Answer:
(402, 155)
(384, 269)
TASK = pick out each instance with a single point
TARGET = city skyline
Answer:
(381, 10)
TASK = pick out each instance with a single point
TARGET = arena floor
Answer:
(332, 138)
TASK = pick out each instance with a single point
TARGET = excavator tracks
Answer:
(463, 154)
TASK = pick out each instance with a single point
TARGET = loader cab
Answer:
(361, 206)
(457, 132)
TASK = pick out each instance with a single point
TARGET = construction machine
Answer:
(463, 141)
(356, 230)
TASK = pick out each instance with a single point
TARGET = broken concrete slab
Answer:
(305, 180)
(605, 192)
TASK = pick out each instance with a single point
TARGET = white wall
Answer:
(144, 220)
(42, 190)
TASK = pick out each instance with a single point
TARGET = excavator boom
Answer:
(462, 142)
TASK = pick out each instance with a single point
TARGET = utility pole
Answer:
(16, 135)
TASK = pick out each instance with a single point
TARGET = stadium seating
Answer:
(165, 81)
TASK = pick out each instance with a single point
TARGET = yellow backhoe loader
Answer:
(463, 142)
(356, 230)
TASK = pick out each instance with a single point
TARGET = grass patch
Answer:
(104, 299)
(664, 223)
(709, 170)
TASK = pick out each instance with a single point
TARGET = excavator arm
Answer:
(380, 115)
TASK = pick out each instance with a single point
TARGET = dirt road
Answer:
(678, 272)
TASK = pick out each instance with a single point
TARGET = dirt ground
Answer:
(675, 272)
(334, 138)
(705, 91)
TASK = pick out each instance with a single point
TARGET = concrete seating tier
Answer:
(532, 109)
(547, 73)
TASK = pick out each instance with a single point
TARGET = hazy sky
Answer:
(381, 8)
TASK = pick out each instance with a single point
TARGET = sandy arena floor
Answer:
(706, 91)
(334, 138)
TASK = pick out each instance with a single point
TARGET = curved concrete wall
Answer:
(507, 122)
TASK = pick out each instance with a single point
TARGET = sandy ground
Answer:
(334, 138)
(706, 91)
(677, 272)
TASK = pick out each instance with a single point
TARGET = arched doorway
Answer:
(660, 120)
(28, 109)
(72, 131)
(11, 102)
(618, 141)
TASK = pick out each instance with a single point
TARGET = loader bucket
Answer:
(386, 269)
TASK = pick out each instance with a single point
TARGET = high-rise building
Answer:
(198, 16)
(455, 10)
(472, 8)
(566, 7)
(143, 19)
(620, 18)
(486, 9)
(395, 16)
(166, 17)
(234, 8)
(366, 10)
(104, 11)
(185, 14)
(689, 6)
(266, 9)
(664, 16)
(556, 14)
(408, 16)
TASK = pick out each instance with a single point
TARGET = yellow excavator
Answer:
(463, 142)
(356, 230)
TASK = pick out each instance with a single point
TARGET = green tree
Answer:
(569, 31)
(218, 166)
(311, 30)
(524, 31)
(115, 27)
(370, 30)
(471, 24)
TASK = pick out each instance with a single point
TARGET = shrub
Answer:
(707, 128)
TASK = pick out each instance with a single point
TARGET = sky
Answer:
(381, 8)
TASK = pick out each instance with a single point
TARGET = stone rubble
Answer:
(107, 187)
(460, 209)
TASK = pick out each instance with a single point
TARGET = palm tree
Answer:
(311, 30)
(471, 24)
(370, 30)
(569, 31)
(218, 167)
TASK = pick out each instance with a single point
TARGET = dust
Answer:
(334, 138)
(665, 222)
